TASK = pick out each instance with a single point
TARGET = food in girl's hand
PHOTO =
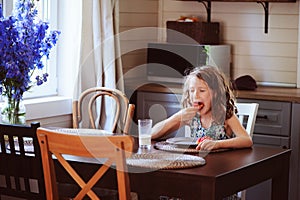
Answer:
(202, 139)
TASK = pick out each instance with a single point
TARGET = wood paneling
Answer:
(139, 6)
(256, 34)
(228, 7)
(283, 64)
(270, 57)
(136, 19)
(133, 59)
(64, 121)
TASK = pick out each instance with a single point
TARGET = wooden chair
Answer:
(87, 103)
(113, 147)
(247, 115)
(21, 174)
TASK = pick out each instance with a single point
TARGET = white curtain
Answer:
(100, 64)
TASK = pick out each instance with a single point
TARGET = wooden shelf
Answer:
(264, 3)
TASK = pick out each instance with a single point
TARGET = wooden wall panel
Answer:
(63, 121)
(228, 7)
(264, 49)
(269, 58)
(276, 77)
(136, 19)
(139, 6)
(267, 63)
(133, 59)
(256, 34)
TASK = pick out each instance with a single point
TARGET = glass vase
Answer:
(13, 111)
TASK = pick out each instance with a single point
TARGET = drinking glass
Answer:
(144, 126)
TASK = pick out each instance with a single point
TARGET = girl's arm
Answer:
(173, 123)
(242, 139)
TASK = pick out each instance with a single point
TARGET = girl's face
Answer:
(200, 94)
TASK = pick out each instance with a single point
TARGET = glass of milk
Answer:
(144, 126)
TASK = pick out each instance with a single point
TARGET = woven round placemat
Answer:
(165, 160)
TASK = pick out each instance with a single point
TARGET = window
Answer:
(47, 12)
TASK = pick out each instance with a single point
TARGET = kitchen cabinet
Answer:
(277, 124)
(272, 128)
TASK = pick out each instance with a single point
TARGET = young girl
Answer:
(209, 109)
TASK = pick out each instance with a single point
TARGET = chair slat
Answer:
(21, 163)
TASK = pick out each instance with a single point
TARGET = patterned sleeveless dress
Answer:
(216, 132)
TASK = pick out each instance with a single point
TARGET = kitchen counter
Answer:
(271, 93)
(261, 93)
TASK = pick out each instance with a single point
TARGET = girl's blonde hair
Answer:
(223, 100)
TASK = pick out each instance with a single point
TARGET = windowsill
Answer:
(47, 107)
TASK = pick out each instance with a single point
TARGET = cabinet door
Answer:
(158, 106)
(273, 122)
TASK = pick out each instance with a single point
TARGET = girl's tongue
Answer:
(198, 105)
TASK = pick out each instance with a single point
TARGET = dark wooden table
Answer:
(224, 173)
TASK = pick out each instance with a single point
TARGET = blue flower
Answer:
(24, 41)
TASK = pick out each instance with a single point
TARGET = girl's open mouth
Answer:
(198, 105)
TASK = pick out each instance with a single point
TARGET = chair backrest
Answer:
(92, 101)
(247, 115)
(21, 173)
(114, 148)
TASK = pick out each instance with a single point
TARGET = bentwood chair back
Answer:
(21, 174)
(114, 148)
(94, 101)
(247, 115)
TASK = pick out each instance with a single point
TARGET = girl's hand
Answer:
(206, 143)
(187, 114)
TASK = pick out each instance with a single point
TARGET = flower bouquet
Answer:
(25, 44)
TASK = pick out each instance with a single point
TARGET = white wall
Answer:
(134, 15)
(64, 121)
(270, 57)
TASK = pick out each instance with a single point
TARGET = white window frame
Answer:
(51, 104)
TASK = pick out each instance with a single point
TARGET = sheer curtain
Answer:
(99, 63)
